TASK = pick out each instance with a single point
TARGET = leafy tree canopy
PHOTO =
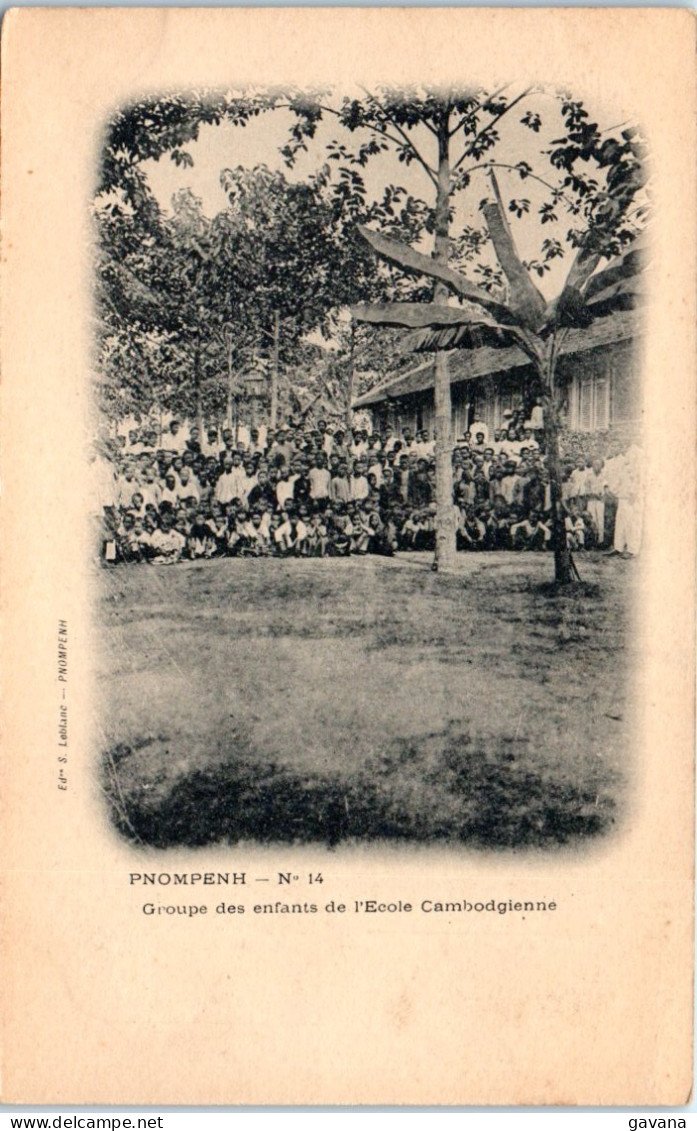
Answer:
(289, 243)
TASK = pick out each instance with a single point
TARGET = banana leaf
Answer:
(526, 302)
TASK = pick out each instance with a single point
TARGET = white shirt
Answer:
(359, 487)
(124, 491)
(214, 449)
(170, 495)
(511, 449)
(479, 426)
(151, 493)
(284, 489)
(190, 489)
(577, 482)
(169, 541)
(172, 443)
(595, 484)
(319, 482)
(285, 532)
(231, 485)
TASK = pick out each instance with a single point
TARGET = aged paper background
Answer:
(592, 1005)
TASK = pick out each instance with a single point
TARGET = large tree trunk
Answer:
(274, 370)
(197, 387)
(230, 385)
(351, 377)
(445, 527)
(564, 571)
(563, 568)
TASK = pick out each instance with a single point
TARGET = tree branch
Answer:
(403, 135)
(404, 139)
(479, 106)
(514, 169)
(468, 149)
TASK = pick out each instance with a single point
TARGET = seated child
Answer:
(530, 533)
(379, 541)
(575, 529)
(201, 542)
(167, 543)
(471, 531)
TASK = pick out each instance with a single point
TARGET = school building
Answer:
(598, 370)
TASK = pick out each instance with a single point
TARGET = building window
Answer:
(459, 425)
(591, 404)
(585, 405)
(601, 407)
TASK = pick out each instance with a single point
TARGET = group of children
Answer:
(318, 491)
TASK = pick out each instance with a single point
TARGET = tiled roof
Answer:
(468, 364)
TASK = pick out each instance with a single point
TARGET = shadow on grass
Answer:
(457, 795)
(584, 590)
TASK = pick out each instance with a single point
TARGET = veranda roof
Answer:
(485, 361)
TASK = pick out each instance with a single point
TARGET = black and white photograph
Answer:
(368, 464)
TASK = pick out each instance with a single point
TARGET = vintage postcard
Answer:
(348, 500)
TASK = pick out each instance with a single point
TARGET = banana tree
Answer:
(525, 320)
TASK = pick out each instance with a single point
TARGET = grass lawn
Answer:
(324, 701)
